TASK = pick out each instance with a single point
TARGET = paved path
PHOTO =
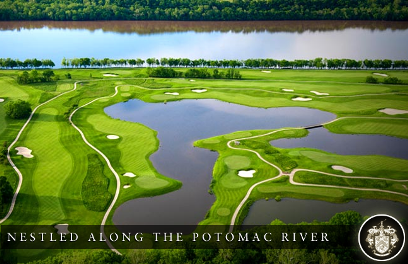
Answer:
(292, 174)
(20, 175)
(115, 198)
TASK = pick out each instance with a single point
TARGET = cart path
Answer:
(115, 198)
(20, 175)
(293, 172)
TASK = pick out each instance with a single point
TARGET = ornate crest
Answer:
(382, 240)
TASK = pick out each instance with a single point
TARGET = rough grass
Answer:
(95, 194)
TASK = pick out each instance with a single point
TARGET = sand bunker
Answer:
(110, 75)
(126, 186)
(318, 93)
(62, 229)
(129, 174)
(342, 168)
(392, 111)
(192, 80)
(1, 100)
(112, 136)
(246, 174)
(266, 71)
(199, 90)
(288, 90)
(26, 152)
(380, 74)
(301, 99)
(172, 93)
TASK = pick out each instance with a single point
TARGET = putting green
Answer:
(239, 134)
(223, 211)
(211, 141)
(236, 162)
(161, 97)
(233, 181)
(150, 182)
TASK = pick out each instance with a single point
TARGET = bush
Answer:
(278, 198)
(18, 109)
(371, 79)
(6, 194)
(392, 80)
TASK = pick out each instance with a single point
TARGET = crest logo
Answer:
(381, 237)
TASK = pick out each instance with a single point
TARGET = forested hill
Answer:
(203, 10)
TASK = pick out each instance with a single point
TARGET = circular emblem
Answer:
(381, 237)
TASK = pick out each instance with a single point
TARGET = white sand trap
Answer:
(1, 100)
(199, 90)
(192, 80)
(266, 71)
(342, 168)
(392, 111)
(129, 174)
(62, 229)
(110, 75)
(172, 93)
(112, 136)
(26, 152)
(318, 93)
(301, 99)
(380, 74)
(246, 174)
(126, 186)
(288, 90)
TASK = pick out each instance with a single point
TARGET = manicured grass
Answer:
(396, 128)
(53, 179)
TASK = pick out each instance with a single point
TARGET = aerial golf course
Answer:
(84, 164)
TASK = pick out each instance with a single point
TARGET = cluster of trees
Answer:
(3, 153)
(388, 80)
(18, 109)
(203, 10)
(35, 77)
(9, 63)
(194, 73)
(318, 63)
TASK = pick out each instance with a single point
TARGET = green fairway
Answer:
(69, 182)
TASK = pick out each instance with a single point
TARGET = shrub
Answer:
(392, 80)
(17, 109)
(371, 79)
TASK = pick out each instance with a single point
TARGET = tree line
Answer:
(193, 73)
(318, 63)
(9, 63)
(76, 10)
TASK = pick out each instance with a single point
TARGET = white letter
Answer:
(62, 237)
(179, 239)
(242, 238)
(8, 237)
(324, 237)
(32, 237)
(209, 237)
(91, 237)
(125, 236)
(285, 237)
(155, 235)
(76, 237)
(314, 236)
(139, 239)
(256, 238)
(232, 237)
(195, 235)
(265, 237)
(113, 239)
(303, 238)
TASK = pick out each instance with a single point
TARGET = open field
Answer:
(53, 180)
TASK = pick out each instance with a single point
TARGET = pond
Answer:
(209, 40)
(347, 144)
(181, 123)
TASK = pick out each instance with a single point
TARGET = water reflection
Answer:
(155, 27)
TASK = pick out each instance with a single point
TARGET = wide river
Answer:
(209, 40)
